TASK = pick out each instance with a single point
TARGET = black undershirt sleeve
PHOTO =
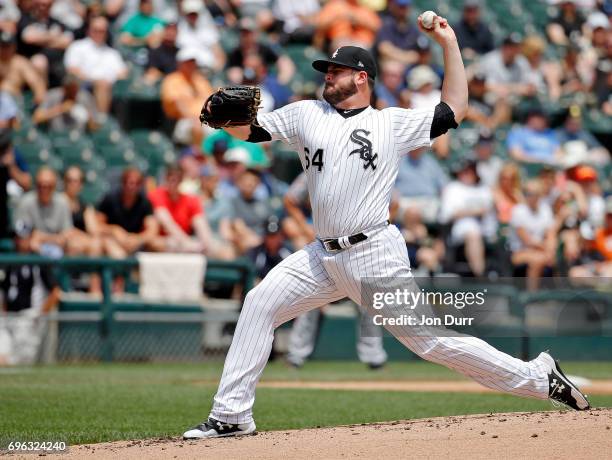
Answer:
(258, 134)
(443, 120)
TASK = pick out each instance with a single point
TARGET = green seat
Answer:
(93, 192)
(117, 156)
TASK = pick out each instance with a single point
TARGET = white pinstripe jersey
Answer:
(351, 163)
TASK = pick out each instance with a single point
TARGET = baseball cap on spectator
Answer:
(272, 226)
(598, 20)
(187, 54)
(353, 57)
(422, 75)
(485, 137)
(403, 2)
(471, 4)
(192, 6)
(237, 155)
(575, 153)
(584, 174)
(7, 38)
(513, 39)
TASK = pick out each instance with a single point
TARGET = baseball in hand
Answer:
(427, 19)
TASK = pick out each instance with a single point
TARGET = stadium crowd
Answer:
(522, 188)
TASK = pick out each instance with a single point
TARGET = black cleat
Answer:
(212, 428)
(560, 388)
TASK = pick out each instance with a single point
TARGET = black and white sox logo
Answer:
(365, 149)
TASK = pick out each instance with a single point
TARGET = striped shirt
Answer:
(351, 163)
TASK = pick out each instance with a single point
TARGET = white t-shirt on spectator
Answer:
(291, 12)
(535, 223)
(94, 61)
(201, 37)
(457, 197)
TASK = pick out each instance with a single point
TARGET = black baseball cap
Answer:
(353, 57)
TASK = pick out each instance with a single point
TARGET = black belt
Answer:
(333, 244)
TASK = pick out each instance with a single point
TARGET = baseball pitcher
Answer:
(350, 153)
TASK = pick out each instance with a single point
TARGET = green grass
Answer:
(94, 403)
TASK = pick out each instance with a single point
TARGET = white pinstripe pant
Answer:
(311, 278)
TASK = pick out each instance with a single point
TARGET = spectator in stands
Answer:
(298, 19)
(182, 94)
(425, 57)
(397, 37)
(28, 291)
(48, 213)
(248, 44)
(96, 63)
(120, 11)
(162, 59)
(125, 218)
(473, 35)
(467, 206)
(424, 86)
(506, 70)
(70, 12)
(481, 109)
(346, 22)
(488, 165)
(602, 245)
(567, 25)
(272, 251)
(9, 112)
(534, 142)
(419, 184)
(197, 29)
(424, 251)
(182, 221)
(602, 86)
(533, 237)
(9, 16)
(389, 87)
(298, 223)
(573, 131)
(43, 40)
(507, 193)
(573, 73)
(248, 215)
(541, 73)
(143, 28)
(84, 237)
(12, 168)
(588, 180)
(217, 209)
(17, 71)
(273, 94)
(67, 107)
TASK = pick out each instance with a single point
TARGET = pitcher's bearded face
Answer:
(339, 85)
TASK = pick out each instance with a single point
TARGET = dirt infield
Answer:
(599, 387)
(576, 435)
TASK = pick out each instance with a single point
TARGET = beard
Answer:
(338, 94)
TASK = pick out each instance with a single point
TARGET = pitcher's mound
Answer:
(541, 435)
